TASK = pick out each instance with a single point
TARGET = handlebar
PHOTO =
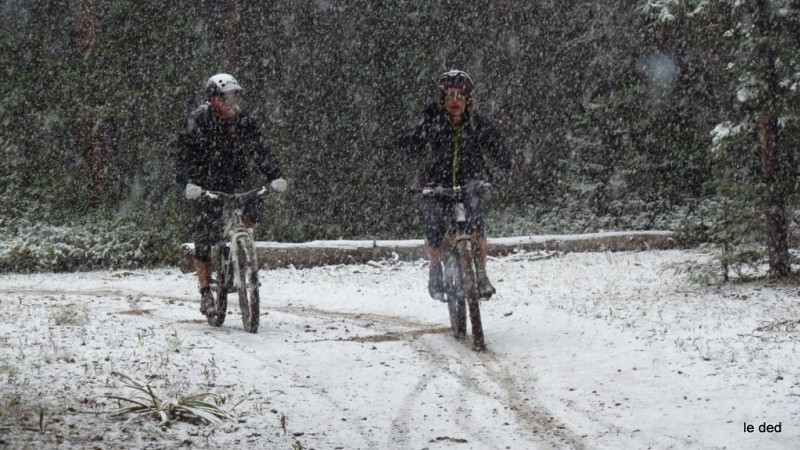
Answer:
(449, 192)
(240, 195)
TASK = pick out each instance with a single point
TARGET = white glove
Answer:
(279, 185)
(193, 191)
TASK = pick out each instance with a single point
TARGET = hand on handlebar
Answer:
(279, 185)
(432, 188)
(193, 191)
(469, 189)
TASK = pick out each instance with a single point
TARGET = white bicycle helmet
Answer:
(221, 84)
(458, 79)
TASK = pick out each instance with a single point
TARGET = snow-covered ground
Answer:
(586, 351)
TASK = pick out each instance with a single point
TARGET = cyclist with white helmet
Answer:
(455, 145)
(216, 148)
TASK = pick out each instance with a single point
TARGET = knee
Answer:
(434, 237)
(202, 252)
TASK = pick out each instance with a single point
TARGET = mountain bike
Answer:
(234, 263)
(460, 257)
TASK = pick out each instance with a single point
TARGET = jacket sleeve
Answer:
(416, 137)
(186, 162)
(261, 154)
(498, 154)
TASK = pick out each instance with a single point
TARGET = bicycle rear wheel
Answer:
(469, 282)
(249, 302)
(455, 298)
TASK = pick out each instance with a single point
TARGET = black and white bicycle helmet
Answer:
(221, 84)
(455, 78)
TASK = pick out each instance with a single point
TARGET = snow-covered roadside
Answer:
(586, 350)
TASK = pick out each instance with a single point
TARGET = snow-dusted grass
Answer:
(586, 350)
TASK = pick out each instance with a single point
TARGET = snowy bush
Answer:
(573, 216)
(27, 246)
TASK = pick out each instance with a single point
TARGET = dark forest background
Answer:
(621, 115)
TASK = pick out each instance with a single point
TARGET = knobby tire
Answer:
(455, 298)
(217, 317)
(249, 302)
(469, 283)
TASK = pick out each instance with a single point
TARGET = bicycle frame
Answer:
(234, 231)
(237, 243)
(462, 229)
(461, 265)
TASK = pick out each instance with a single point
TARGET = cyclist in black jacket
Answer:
(216, 147)
(454, 145)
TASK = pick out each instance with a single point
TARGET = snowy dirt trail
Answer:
(300, 368)
(585, 351)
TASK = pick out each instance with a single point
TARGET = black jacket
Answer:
(481, 152)
(215, 153)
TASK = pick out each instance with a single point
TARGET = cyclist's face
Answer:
(455, 102)
(225, 106)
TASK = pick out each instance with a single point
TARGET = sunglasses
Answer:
(230, 96)
(456, 95)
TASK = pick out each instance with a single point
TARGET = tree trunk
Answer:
(85, 26)
(95, 153)
(93, 144)
(775, 204)
(777, 238)
(228, 36)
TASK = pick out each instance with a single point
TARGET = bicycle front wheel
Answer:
(249, 302)
(469, 282)
(455, 298)
(216, 316)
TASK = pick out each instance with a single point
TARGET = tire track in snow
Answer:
(530, 416)
(136, 295)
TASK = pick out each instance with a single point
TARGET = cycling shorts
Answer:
(437, 214)
(209, 224)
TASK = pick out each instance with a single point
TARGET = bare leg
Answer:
(203, 269)
(248, 222)
(434, 254)
(435, 288)
(484, 286)
(483, 246)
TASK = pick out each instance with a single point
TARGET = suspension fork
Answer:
(239, 232)
(476, 254)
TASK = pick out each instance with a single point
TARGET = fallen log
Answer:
(273, 255)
